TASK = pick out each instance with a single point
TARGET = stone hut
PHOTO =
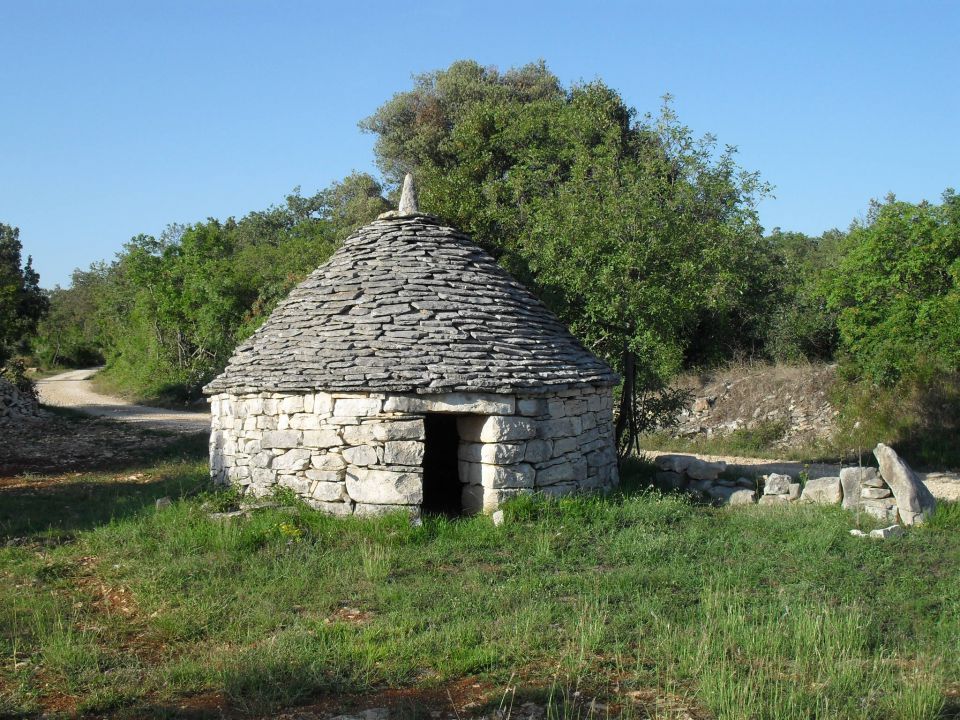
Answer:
(411, 371)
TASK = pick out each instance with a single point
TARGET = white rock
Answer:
(776, 484)
(481, 404)
(356, 407)
(822, 491)
(292, 460)
(384, 487)
(498, 518)
(887, 532)
(403, 452)
(495, 428)
(913, 498)
(360, 455)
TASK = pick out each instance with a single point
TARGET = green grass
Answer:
(113, 607)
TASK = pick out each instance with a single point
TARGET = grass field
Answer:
(647, 604)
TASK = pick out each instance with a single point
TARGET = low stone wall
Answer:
(893, 493)
(360, 453)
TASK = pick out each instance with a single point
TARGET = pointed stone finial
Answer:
(408, 197)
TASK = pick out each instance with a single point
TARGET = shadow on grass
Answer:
(59, 506)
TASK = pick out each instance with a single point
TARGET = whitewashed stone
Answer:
(384, 487)
(403, 452)
(914, 500)
(480, 404)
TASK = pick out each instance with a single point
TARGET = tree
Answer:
(897, 290)
(22, 302)
(630, 231)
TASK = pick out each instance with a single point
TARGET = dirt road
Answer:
(943, 485)
(74, 390)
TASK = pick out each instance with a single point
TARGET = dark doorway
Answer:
(441, 477)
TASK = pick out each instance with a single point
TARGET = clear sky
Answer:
(121, 117)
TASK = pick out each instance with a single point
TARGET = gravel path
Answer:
(944, 485)
(74, 390)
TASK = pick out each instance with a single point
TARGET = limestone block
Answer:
(561, 446)
(360, 455)
(589, 421)
(328, 461)
(398, 430)
(773, 500)
(292, 460)
(502, 453)
(531, 407)
(887, 532)
(291, 404)
(321, 439)
(851, 480)
(556, 408)
(328, 491)
(875, 493)
(495, 428)
(283, 422)
(263, 476)
(794, 492)
(538, 451)
(384, 487)
(357, 407)
(478, 403)
(280, 439)
(300, 485)
(305, 421)
(322, 403)
(497, 477)
(359, 434)
(326, 476)
(913, 498)
(822, 491)
(403, 452)
(777, 484)
(885, 510)
(553, 474)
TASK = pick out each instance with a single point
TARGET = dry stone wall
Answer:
(362, 453)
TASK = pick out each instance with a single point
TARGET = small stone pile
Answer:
(893, 493)
(16, 406)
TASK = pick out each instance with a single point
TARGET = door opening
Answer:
(441, 477)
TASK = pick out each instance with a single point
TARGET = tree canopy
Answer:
(22, 302)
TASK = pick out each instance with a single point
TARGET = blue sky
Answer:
(121, 117)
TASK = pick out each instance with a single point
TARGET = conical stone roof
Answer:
(407, 305)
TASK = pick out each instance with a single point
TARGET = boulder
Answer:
(822, 491)
(887, 532)
(666, 480)
(851, 479)
(914, 500)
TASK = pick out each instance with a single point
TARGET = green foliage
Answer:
(22, 303)
(168, 312)
(631, 231)
(897, 291)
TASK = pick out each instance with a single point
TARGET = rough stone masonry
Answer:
(409, 318)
